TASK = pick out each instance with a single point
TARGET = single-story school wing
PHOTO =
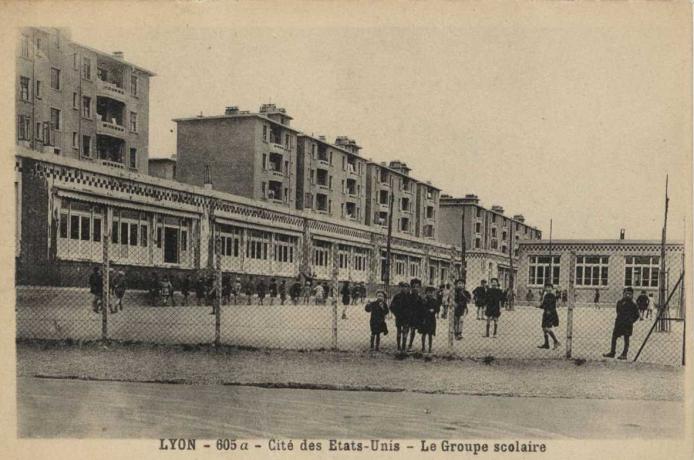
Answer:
(63, 205)
(602, 266)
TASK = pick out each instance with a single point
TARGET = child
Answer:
(261, 289)
(273, 291)
(429, 308)
(307, 293)
(493, 299)
(461, 297)
(119, 290)
(480, 293)
(319, 294)
(283, 291)
(200, 289)
(236, 292)
(550, 318)
(185, 289)
(642, 302)
(627, 315)
(377, 322)
(649, 310)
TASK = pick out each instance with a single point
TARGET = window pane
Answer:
(63, 224)
(97, 229)
(85, 228)
(143, 235)
(133, 234)
(604, 276)
(123, 233)
(114, 233)
(74, 227)
(627, 276)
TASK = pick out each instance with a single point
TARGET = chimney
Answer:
(519, 218)
(347, 144)
(497, 208)
(322, 138)
(231, 110)
(118, 55)
(208, 180)
(278, 114)
(622, 233)
(400, 166)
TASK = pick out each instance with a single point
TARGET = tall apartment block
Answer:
(331, 178)
(248, 154)
(79, 102)
(415, 203)
(491, 238)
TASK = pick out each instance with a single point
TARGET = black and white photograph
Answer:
(341, 228)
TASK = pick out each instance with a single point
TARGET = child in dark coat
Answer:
(627, 315)
(426, 316)
(378, 309)
(550, 318)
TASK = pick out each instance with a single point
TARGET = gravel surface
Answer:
(351, 371)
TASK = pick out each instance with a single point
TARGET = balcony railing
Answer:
(110, 89)
(112, 164)
(111, 128)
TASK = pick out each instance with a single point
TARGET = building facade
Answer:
(492, 239)
(331, 178)
(77, 102)
(164, 168)
(605, 266)
(252, 155)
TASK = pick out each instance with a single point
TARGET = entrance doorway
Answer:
(170, 245)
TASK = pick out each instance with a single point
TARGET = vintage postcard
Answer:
(341, 229)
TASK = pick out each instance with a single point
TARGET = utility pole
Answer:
(463, 261)
(663, 324)
(390, 234)
(551, 277)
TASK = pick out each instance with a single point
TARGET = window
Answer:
(322, 177)
(382, 218)
(133, 158)
(75, 61)
(74, 101)
(80, 222)
(24, 128)
(86, 107)
(383, 197)
(493, 232)
(478, 212)
(591, 270)
(404, 224)
(478, 227)
(642, 271)
(343, 256)
(493, 218)
(503, 235)
(359, 261)
(320, 253)
(405, 204)
(86, 146)
(257, 244)
(86, 68)
(321, 202)
(25, 46)
(231, 241)
(74, 140)
(133, 85)
(478, 243)
(55, 78)
(414, 268)
(24, 88)
(429, 231)
(539, 270)
(430, 212)
(494, 244)
(400, 266)
(55, 119)
(38, 89)
(133, 122)
(284, 248)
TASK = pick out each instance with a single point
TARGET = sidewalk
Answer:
(352, 371)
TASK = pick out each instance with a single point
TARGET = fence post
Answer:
(451, 319)
(571, 304)
(218, 284)
(106, 264)
(334, 293)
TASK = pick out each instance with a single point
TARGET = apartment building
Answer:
(247, 154)
(331, 178)
(78, 102)
(415, 203)
(491, 238)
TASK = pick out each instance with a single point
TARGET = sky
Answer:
(571, 115)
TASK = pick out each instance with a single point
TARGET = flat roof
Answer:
(458, 201)
(598, 241)
(114, 59)
(234, 116)
(371, 162)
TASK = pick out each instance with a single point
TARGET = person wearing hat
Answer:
(429, 307)
(377, 321)
(492, 300)
(480, 294)
(413, 305)
(627, 315)
(550, 318)
(398, 306)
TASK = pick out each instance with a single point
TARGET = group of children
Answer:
(415, 312)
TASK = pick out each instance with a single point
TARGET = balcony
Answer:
(111, 129)
(108, 89)
(112, 164)
(277, 148)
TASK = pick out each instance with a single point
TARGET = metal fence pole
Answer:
(106, 281)
(571, 304)
(218, 284)
(334, 293)
(451, 319)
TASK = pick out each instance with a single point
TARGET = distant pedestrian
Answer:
(237, 290)
(649, 309)
(377, 320)
(529, 297)
(398, 306)
(154, 289)
(200, 289)
(96, 289)
(429, 307)
(550, 318)
(261, 290)
(447, 301)
(272, 289)
(166, 291)
(596, 298)
(480, 296)
(295, 292)
(226, 290)
(186, 285)
(564, 297)
(493, 298)
(642, 302)
(250, 288)
(318, 294)
(282, 290)
(306, 292)
(627, 315)
(355, 293)
(118, 290)
(346, 293)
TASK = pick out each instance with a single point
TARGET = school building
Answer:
(605, 266)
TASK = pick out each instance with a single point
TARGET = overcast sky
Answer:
(568, 116)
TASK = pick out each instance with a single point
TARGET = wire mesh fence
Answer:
(121, 291)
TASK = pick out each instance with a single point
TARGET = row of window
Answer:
(349, 164)
(593, 271)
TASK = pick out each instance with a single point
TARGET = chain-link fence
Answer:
(129, 276)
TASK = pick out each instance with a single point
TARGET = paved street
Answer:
(65, 408)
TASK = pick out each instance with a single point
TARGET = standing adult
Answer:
(399, 309)
(118, 290)
(261, 290)
(596, 298)
(295, 292)
(550, 318)
(413, 304)
(493, 298)
(480, 295)
(282, 290)
(627, 315)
